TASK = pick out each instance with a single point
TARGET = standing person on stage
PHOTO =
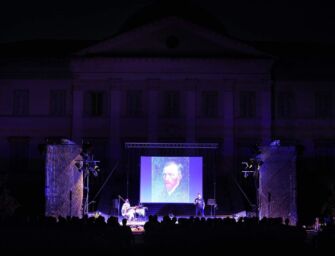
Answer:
(127, 211)
(199, 205)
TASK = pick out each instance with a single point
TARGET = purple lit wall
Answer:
(153, 185)
(277, 188)
(63, 183)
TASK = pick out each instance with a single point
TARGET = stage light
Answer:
(275, 143)
(95, 170)
(79, 165)
(97, 214)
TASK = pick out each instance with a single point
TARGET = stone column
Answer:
(190, 100)
(266, 121)
(115, 119)
(153, 105)
(229, 125)
(77, 112)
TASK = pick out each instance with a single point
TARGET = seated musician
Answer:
(127, 211)
(140, 210)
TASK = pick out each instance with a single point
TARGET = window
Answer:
(21, 102)
(285, 105)
(323, 104)
(171, 106)
(95, 103)
(19, 153)
(57, 102)
(134, 103)
(247, 104)
(172, 42)
(210, 103)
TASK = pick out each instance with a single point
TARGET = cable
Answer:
(102, 186)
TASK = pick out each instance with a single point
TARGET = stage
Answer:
(137, 225)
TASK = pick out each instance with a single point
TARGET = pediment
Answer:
(171, 37)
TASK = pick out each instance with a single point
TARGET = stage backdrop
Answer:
(63, 180)
(277, 183)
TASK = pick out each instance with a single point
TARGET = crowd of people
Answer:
(199, 233)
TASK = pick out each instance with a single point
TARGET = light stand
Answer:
(212, 203)
(89, 167)
(86, 191)
(252, 168)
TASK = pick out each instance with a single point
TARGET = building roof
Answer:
(294, 60)
(183, 9)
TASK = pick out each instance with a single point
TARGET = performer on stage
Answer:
(127, 211)
(199, 205)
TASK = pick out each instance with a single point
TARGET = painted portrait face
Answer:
(171, 176)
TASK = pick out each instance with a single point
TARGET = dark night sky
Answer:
(249, 20)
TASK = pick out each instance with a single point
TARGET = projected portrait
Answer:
(170, 179)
